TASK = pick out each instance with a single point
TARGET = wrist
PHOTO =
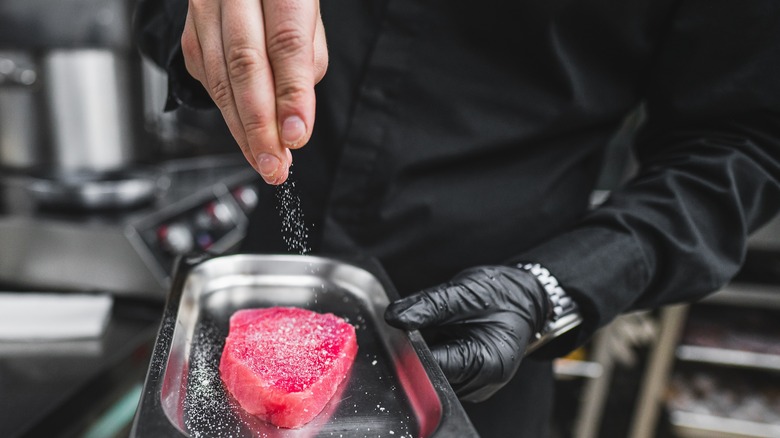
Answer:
(564, 314)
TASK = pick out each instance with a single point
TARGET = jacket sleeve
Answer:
(709, 174)
(157, 29)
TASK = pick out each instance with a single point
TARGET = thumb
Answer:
(423, 309)
(410, 313)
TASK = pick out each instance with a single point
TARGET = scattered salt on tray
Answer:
(284, 364)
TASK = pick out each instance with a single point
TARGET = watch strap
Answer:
(564, 314)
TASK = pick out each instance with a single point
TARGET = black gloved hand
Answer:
(489, 315)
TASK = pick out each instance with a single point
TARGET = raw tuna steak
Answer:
(284, 364)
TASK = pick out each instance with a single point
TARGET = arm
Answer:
(710, 175)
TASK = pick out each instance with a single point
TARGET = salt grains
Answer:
(295, 232)
(209, 412)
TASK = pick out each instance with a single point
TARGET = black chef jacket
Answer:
(451, 134)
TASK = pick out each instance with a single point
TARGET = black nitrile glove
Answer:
(487, 315)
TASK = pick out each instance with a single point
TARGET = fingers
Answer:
(251, 82)
(290, 36)
(413, 312)
(438, 305)
(459, 359)
(463, 362)
(259, 61)
(320, 51)
(205, 60)
(190, 44)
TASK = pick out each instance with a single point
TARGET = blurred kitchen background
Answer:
(100, 190)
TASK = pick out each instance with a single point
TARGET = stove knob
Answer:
(221, 215)
(203, 220)
(176, 238)
(246, 197)
(215, 216)
(204, 240)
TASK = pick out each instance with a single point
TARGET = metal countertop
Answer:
(59, 389)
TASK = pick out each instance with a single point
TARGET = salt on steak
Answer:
(284, 364)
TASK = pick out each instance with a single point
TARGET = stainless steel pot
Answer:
(70, 87)
(87, 96)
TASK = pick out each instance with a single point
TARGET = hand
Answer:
(488, 315)
(259, 61)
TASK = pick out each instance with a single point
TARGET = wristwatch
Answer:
(564, 315)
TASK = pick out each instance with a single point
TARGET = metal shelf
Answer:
(667, 349)
(722, 356)
(692, 425)
(747, 295)
(569, 368)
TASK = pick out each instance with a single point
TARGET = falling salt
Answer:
(295, 232)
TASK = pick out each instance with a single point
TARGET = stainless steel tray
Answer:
(395, 389)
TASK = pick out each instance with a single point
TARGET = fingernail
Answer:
(268, 165)
(293, 130)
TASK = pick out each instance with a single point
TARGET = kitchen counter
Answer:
(69, 388)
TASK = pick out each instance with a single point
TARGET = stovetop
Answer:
(202, 205)
(176, 180)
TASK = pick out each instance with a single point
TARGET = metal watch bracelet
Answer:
(564, 315)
